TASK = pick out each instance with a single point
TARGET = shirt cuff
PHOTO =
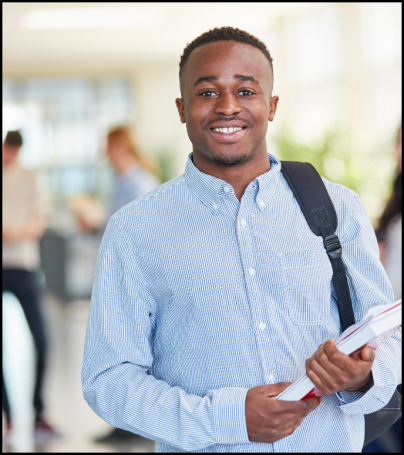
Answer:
(349, 397)
(374, 399)
(228, 405)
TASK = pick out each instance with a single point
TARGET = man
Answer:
(211, 292)
(22, 229)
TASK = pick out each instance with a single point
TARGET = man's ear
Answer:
(180, 106)
(273, 103)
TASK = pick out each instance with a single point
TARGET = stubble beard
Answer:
(231, 160)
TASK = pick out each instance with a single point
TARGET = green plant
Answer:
(335, 157)
(167, 159)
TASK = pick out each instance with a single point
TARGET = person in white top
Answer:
(389, 236)
(22, 230)
(389, 228)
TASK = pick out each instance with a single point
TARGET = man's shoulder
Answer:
(347, 205)
(340, 194)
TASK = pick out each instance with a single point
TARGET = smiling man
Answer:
(212, 294)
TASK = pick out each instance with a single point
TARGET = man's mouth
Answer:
(227, 130)
(229, 133)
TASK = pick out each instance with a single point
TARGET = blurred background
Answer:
(74, 71)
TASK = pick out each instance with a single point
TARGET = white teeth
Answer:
(227, 130)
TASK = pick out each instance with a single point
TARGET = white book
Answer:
(379, 323)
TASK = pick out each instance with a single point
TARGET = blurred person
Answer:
(211, 291)
(389, 235)
(389, 230)
(135, 176)
(22, 228)
(136, 173)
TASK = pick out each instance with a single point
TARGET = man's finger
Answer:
(273, 390)
(312, 403)
(301, 408)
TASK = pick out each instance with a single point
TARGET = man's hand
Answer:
(332, 371)
(268, 419)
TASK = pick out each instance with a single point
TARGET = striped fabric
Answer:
(198, 297)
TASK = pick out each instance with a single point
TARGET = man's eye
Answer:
(246, 93)
(207, 94)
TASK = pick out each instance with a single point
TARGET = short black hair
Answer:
(13, 138)
(225, 34)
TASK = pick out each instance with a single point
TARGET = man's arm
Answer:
(118, 356)
(365, 380)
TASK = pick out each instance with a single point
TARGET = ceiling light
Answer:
(96, 17)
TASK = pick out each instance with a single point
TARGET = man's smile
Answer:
(226, 131)
(228, 134)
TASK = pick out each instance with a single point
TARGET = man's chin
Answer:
(231, 160)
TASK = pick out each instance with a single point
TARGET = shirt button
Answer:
(251, 271)
(271, 378)
(262, 325)
(261, 203)
(243, 222)
(226, 189)
(214, 206)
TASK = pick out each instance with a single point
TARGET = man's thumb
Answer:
(273, 390)
(367, 354)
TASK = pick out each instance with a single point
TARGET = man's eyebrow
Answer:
(252, 79)
(206, 79)
(237, 77)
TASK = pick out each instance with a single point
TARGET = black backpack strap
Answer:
(319, 211)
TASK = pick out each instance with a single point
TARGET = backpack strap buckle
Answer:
(333, 246)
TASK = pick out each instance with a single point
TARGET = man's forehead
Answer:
(225, 57)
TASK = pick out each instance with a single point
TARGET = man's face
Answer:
(10, 153)
(227, 85)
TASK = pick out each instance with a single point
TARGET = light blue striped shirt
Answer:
(199, 297)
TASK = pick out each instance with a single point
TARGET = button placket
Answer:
(251, 270)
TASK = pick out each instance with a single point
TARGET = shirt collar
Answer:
(209, 189)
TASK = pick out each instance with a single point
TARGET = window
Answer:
(64, 124)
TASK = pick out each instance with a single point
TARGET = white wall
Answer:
(158, 126)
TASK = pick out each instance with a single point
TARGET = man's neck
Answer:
(239, 176)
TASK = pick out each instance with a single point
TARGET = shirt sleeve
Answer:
(369, 286)
(118, 356)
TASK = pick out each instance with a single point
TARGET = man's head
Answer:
(11, 145)
(226, 81)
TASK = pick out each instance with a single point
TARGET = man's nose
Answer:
(227, 104)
